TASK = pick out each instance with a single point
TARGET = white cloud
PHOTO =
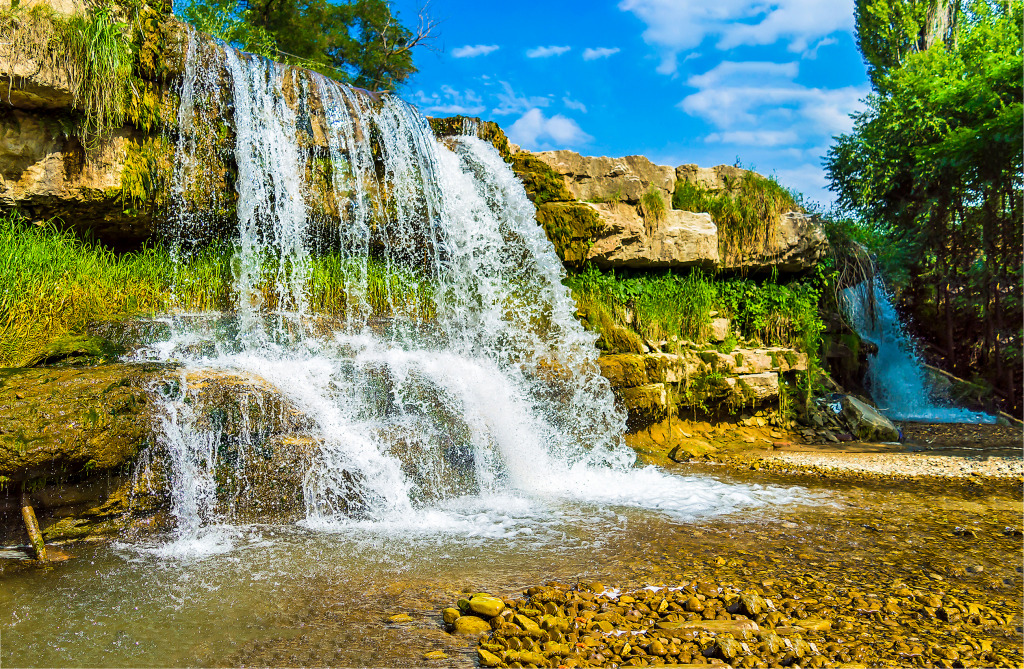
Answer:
(534, 131)
(473, 51)
(574, 104)
(449, 101)
(675, 26)
(547, 51)
(599, 52)
(754, 137)
(812, 53)
(764, 97)
(511, 103)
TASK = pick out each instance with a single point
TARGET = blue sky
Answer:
(768, 82)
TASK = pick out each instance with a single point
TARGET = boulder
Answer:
(866, 423)
(679, 239)
(754, 389)
(720, 328)
(486, 606)
(471, 626)
(603, 179)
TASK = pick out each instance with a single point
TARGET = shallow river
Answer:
(292, 595)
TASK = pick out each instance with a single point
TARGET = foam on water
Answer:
(482, 416)
(896, 376)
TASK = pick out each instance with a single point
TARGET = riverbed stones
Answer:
(471, 626)
(486, 606)
(715, 622)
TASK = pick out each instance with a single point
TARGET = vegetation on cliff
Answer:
(95, 54)
(932, 173)
(746, 212)
(629, 310)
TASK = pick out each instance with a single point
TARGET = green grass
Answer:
(656, 307)
(55, 285)
(627, 310)
(94, 51)
(746, 212)
(652, 205)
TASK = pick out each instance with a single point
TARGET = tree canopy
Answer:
(360, 42)
(935, 164)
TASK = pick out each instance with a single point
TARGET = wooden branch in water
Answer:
(35, 537)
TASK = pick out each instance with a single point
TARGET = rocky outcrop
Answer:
(626, 237)
(49, 166)
(603, 179)
(680, 239)
(653, 384)
(798, 245)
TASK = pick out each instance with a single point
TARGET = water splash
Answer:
(469, 385)
(896, 377)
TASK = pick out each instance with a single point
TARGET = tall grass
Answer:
(53, 284)
(746, 212)
(625, 311)
(94, 51)
(655, 307)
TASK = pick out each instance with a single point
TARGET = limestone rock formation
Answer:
(648, 384)
(603, 179)
(680, 239)
(799, 244)
(614, 187)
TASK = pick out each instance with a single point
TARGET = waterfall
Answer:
(455, 371)
(896, 377)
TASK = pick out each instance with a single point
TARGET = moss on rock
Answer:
(55, 422)
(571, 227)
(542, 183)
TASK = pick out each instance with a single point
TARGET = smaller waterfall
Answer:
(896, 376)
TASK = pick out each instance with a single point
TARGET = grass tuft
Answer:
(746, 212)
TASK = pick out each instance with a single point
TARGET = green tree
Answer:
(934, 164)
(361, 42)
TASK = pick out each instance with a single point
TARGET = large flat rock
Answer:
(679, 239)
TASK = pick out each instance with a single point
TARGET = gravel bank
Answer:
(909, 464)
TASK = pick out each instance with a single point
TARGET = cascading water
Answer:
(896, 376)
(457, 378)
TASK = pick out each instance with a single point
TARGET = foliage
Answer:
(652, 205)
(888, 31)
(55, 285)
(360, 42)
(94, 51)
(746, 212)
(933, 167)
(671, 307)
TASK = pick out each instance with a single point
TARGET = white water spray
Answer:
(477, 384)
